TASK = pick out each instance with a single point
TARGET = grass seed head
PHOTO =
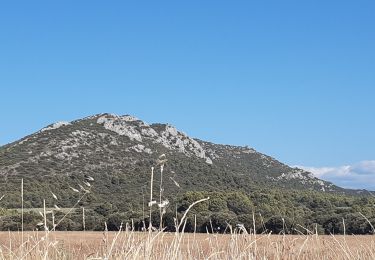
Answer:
(54, 196)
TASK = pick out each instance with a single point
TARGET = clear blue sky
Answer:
(293, 79)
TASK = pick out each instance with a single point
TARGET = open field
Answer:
(158, 245)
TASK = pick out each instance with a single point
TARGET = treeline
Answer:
(265, 210)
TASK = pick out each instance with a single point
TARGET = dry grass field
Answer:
(159, 245)
(153, 243)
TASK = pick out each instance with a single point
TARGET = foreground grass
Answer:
(161, 245)
(128, 244)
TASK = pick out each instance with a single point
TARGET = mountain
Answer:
(119, 151)
(108, 159)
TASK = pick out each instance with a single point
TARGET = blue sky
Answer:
(293, 79)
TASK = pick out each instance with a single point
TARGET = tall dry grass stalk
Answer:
(83, 219)
(143, 209)
(45, 215)
(151, 201)
(161, 208)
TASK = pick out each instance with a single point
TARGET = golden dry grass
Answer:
(127, 244)
(158, 245)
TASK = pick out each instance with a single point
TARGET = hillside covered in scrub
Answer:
(103, 163)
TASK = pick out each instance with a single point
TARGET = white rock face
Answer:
(249, 151)
(140, 148)
(304, 177)
(139, 131)
(173, 139)
(79, 133)
(55, 126)
(118, 124)
(128, 118)
(296, 174)
(23, 141)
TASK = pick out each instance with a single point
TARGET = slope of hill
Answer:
(118, 153)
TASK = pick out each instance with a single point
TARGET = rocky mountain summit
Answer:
(118, 152)
(166, 135)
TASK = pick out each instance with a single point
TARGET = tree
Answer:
(239, 203)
